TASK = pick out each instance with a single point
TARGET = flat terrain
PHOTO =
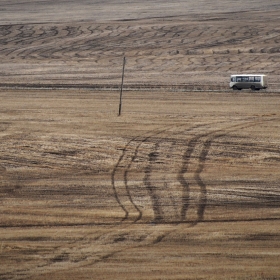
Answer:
(183, 185)
(188, 43)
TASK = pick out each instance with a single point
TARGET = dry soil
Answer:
(184, 184)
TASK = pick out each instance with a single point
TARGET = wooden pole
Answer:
(120, 105)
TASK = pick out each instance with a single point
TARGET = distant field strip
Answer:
(83, 53)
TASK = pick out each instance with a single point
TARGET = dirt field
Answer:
(183, 185)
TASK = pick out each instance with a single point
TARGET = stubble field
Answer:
(183, 185)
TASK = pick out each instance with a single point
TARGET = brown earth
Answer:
(183, 185)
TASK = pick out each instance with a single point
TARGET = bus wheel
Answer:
(234, 88)
(253, 88)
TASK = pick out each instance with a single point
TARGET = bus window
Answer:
(257, 79)
(251, 79)
(245, 79)
(233, 79)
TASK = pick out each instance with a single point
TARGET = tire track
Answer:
(117, 192)
(126, 239)
(152, 158)
(113, 180)
(118, 166)
(205, 141)
(209, 138)
(202, 202)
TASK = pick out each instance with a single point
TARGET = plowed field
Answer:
(184, 184)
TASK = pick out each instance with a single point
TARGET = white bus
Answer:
(245, 81)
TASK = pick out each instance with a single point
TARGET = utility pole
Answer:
(120, 105)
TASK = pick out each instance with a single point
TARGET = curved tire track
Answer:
(193, 158)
